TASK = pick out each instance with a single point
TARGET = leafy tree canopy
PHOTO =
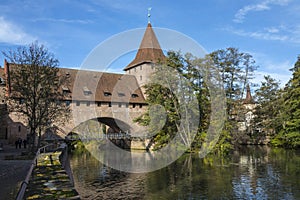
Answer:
(35, 86)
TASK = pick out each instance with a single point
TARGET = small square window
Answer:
(99, 104)
(120, 105)
(77, 103)
(109, 104)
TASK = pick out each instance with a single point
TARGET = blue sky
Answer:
(267, 29)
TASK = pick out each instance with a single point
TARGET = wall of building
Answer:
(142, 72)
(84, 111)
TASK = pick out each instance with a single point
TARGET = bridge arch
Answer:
(107, 128)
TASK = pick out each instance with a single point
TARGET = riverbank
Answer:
(13, 170)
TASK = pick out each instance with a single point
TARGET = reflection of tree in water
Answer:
(252, 173)
(259, 174)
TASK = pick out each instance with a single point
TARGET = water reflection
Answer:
(251, 173)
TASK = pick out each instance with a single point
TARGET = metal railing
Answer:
(34, 163)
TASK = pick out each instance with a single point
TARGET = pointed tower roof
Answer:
(249, 98)
(149, 50)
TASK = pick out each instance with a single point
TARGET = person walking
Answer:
(24, 143)
(20, 143)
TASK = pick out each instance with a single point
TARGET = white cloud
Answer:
(11, 34)
(281, 33)
(277, 70)
(262, 6)
(272, 29)
(79, 21)
(266, 34)
(283, 78)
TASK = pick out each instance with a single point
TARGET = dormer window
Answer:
(68, 74)
(121, 94)
(65, 90)
(107, 94)
(134, 95)
(86, 91)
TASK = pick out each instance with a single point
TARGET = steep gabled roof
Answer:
(149, 50)
(248, 99)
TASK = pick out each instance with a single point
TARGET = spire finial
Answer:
(149, 14)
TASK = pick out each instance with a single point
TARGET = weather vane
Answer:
(149, 14)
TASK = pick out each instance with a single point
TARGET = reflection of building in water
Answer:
(253, 164)
(111, 96)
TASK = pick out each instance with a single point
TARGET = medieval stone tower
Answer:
(149, 54)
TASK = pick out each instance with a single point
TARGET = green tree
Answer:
(158, 93)
(35, 87)
(268, 106)
(198, 74)
(236, 69)
(289, 136)
(171, 89)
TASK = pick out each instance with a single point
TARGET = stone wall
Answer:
(142, 73)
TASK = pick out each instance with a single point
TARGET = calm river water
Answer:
(251, 173)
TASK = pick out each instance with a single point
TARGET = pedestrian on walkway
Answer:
(20, 143)
(17, 143)
(24, 143)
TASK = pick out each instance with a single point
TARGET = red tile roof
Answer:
(149, 50)
(83, 85)
(102, 87)
(249, 98)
